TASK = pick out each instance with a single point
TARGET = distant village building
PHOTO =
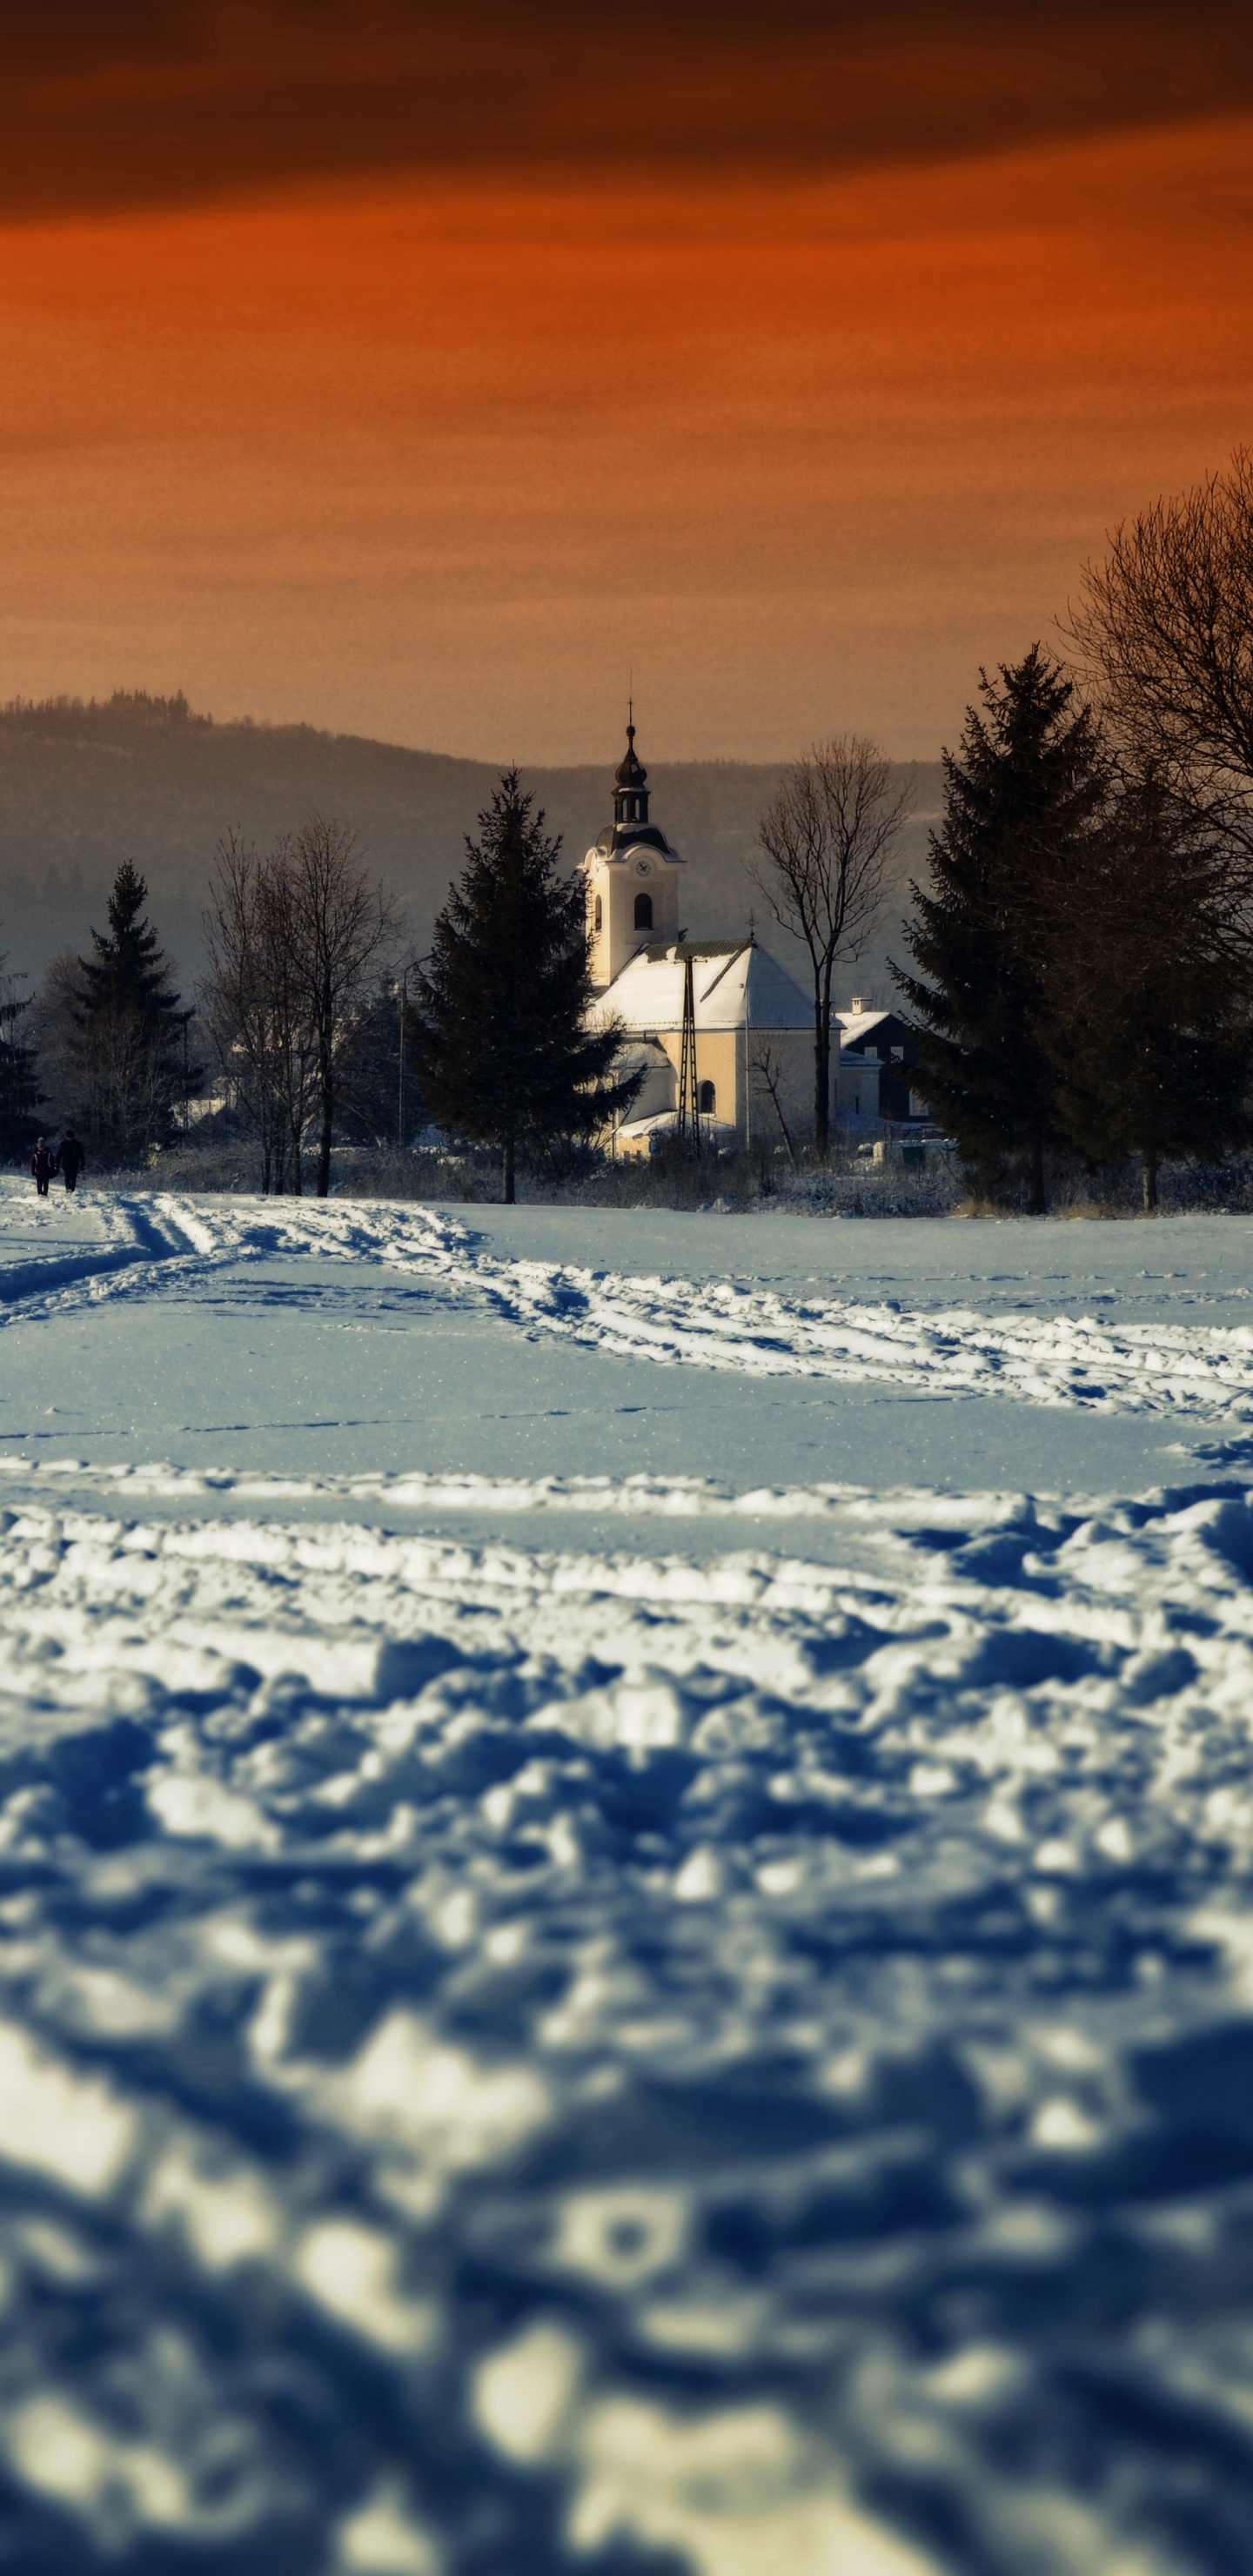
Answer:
(876, 1052)
(750, 1028)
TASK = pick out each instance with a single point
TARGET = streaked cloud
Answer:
(170, 101)
(442, 462)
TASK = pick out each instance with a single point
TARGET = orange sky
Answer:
(803, 380)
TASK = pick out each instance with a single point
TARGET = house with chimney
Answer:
(877, 1050)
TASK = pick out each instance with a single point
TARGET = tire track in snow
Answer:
(1202, 1371)
(141, 1240)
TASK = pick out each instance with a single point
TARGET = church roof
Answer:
(619, 839)
(734, 984)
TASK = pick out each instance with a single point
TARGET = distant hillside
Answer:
(82, 787)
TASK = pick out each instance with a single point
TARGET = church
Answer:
(723, 1037)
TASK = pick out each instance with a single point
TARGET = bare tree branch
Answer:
(825, 843)
(767, 1061)
(255, 1005)
(293, 938)
(1165, 631)
(343, 922)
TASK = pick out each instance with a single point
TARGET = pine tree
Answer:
(131, 1040)
(504, 1054)
(1150, 1032)
(20, 1094)
(1021, 805)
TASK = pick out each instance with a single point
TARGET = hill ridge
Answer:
(87, 783)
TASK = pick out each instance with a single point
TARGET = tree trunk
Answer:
(1150, 1180)
(326, 1095)
(1036, 1201)
(508, 1192)
(773, 1089)
(822, 1091)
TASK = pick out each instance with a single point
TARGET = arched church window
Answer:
(643, 912)
(598, 916)
(708, 1100)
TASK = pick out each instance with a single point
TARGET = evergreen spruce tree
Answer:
(131, 1037)
(504, 1054)
(20, 1094)
(1151, 1032)
(1021, 805)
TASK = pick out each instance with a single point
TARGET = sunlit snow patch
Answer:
(724, 1324)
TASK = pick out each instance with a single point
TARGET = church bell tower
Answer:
(632, 876)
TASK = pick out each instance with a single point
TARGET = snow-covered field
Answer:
(626, 1894)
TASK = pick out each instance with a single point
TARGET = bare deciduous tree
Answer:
(825, 843)
(343, 923)
(766, 1060)
(255, 1007)
(292, 936)
(1165, 627)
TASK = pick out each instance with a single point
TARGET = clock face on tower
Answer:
(643, 867)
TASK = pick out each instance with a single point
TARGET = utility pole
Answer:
(689, 1111)
(748, 1025)
(403, 991)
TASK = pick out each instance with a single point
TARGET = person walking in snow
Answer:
(43, 1165)
(71, 1159)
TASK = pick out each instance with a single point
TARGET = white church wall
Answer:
(780, 1086)
(623, 887)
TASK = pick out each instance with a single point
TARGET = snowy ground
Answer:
(626, 1893)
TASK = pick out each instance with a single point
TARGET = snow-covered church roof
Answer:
(735, 984)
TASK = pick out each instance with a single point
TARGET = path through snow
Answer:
(725, 1324)
(519, 2057)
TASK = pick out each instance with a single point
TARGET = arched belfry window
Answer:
(598, 917)
(643, 912)
(708, 1100)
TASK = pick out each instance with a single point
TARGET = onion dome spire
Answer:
(630, 793)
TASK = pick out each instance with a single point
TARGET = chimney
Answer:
(860, 1003)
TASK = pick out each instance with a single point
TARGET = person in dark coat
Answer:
(43, 1165)
(71, 1159)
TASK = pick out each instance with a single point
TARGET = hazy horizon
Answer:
(86, 787)
(603, 757)
(83, 787)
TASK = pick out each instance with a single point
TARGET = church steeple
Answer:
(630, 786)
(632, 874)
